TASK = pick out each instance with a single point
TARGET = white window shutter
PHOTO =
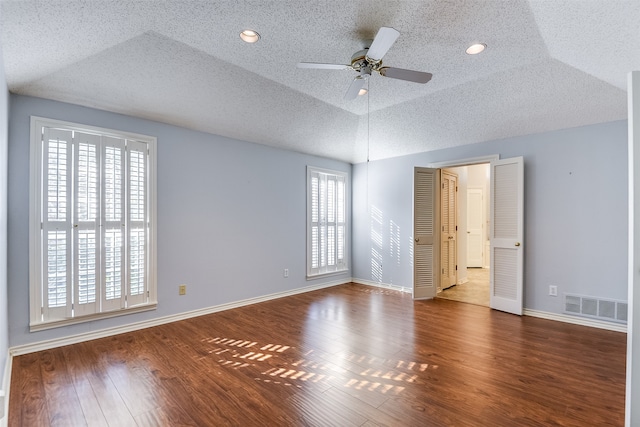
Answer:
(56, 224)
(331, 229)
(341, 223)
(86, 237)
(113, 220)
(327, 227)
(137, 233)
(92, 208)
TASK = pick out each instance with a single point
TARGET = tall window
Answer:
(326, 221)
(92, 223)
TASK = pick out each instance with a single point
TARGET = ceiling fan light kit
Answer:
(370, 59)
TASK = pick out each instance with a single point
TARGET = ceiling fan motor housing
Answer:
(361, 62)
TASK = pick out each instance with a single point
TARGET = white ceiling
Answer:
(548, 65)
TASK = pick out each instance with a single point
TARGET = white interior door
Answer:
(475, 223)
(426, 195)
(507, 201)
(449, 228)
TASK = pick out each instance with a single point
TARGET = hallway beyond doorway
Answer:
(474, 291)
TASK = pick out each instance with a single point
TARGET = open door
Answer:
(475, 227)
(426, 263)
(507, 201)
(448, 230)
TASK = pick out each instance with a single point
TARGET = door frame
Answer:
(470, 161)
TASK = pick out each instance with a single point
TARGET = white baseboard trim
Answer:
(583, 321)
(74, 339)
(382, 285)
(6, 384)
(593, 323)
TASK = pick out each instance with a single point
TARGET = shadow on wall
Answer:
(378, 248)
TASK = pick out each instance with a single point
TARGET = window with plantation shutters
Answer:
(326, 221)
(92, 223)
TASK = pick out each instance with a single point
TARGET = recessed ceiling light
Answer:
(475, 49)
(250, 36)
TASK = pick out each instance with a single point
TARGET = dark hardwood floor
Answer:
(345, 356)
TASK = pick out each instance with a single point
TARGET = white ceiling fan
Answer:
(370, 59)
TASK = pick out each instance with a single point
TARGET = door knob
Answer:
(417, 239)
(517, 243)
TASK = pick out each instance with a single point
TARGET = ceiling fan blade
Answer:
(408, 75)
(385, 38)
(320, 66)
(354, 88)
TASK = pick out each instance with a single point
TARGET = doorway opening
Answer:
(472, 206)
(434, 239)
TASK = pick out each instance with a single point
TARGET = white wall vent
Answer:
(604, 309)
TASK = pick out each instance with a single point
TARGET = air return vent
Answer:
(598, 308)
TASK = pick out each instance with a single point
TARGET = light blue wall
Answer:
(575, 212)
(4, 125)
(231, 217)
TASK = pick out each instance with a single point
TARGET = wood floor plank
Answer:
(27, 402)
(346, 355)
(87, 362)
(62, 399)
(372, 414)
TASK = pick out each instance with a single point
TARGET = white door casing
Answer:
(426, 224)
(506, 232)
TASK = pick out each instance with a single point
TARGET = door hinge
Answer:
(443, 228)
(443, 185)
(443, 271)
(456, 228)
(456, 268)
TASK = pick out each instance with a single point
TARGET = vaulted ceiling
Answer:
(548, 65)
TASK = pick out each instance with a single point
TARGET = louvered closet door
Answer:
(507, 195)
(448, 230)
(426, 186)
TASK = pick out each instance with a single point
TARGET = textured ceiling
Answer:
(549, 65)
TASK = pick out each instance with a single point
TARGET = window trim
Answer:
(35, 218)
(345, 265)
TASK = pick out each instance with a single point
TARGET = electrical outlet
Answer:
(285, 273)
(553, 290)
(182, 290)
